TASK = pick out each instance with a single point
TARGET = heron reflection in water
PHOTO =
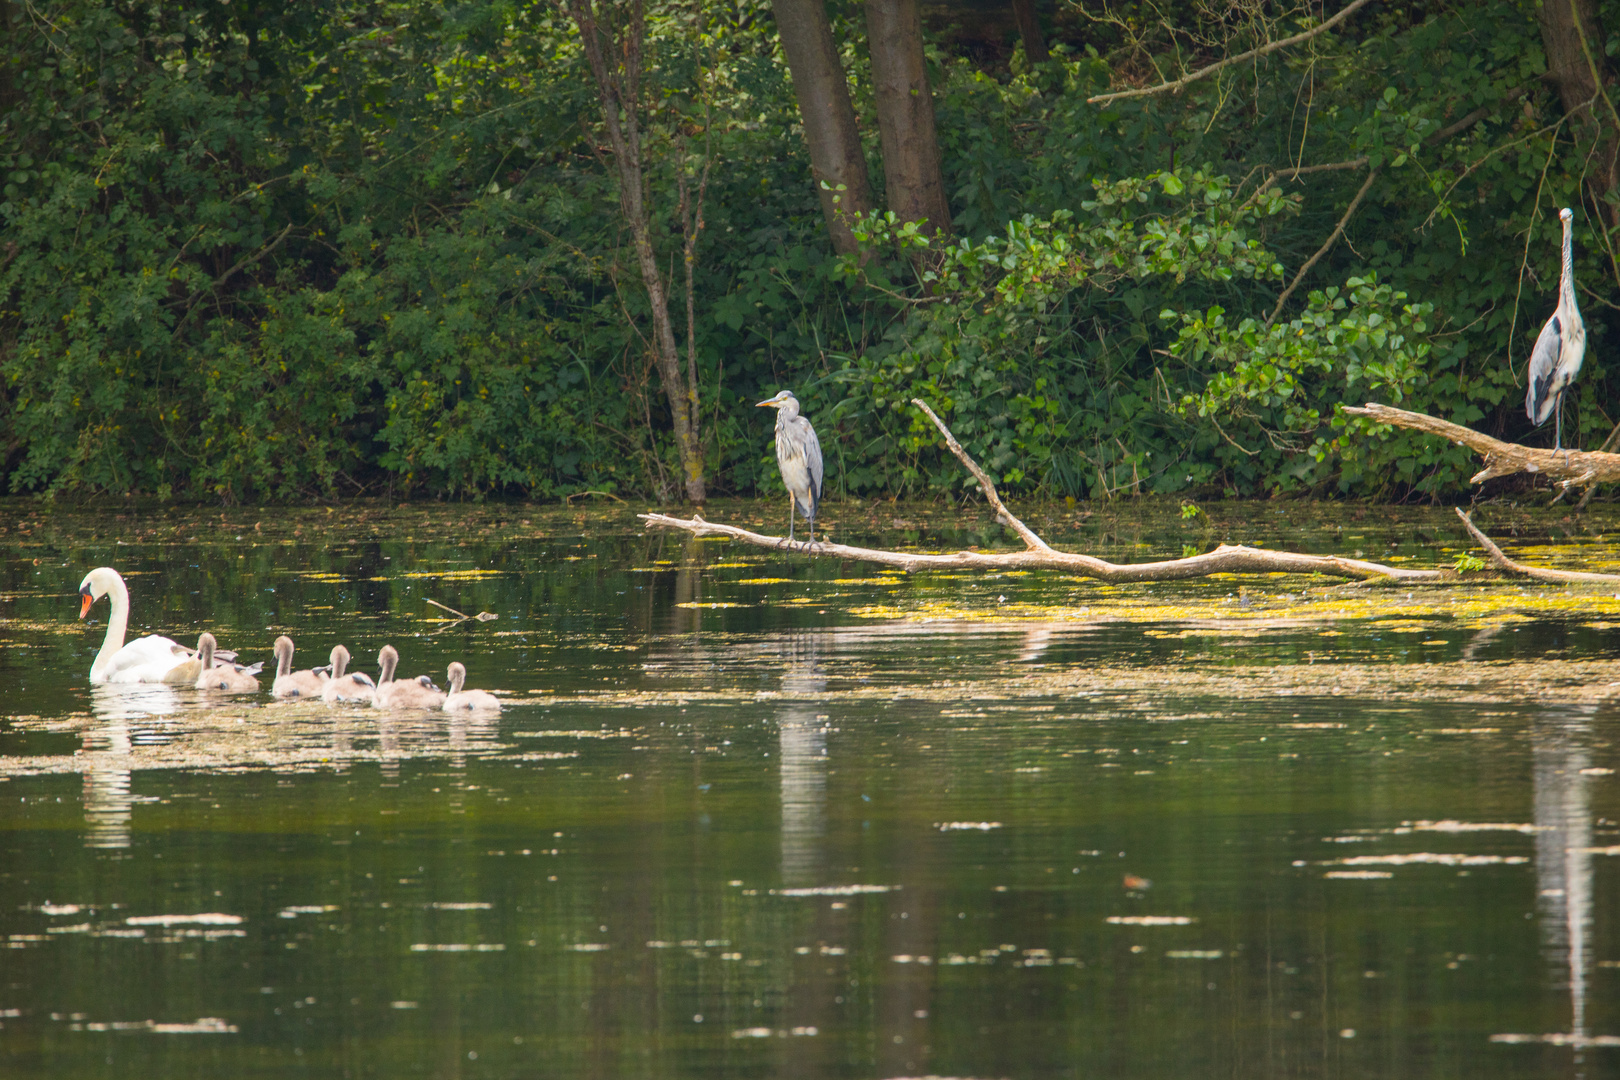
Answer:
(798, 454)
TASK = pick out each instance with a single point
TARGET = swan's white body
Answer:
(290, 683)
(145, 660)
(340, 687)
(461, 700)
(417, 693)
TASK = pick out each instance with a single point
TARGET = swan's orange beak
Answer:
(84, 608)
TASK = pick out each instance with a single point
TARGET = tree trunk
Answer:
(619, 87)
(836, 160)
(1579, 68)
(1029, 28)
(905, 108)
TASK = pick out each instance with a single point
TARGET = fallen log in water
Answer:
(1567, 468)
(1038, 555)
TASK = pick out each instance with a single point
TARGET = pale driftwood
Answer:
(1538, 573)
(1567, 468)
(1226, 559)
(461, 617)
(1038, 555)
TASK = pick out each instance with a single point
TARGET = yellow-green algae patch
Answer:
(1406, 611)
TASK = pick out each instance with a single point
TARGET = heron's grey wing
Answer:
(812, 458)
(1538, 396)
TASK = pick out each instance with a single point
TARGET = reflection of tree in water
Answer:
(802, 753)
(1563, 855)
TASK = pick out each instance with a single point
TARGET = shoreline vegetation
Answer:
(260, 253)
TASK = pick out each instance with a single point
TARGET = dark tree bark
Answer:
(617, 71)
(1572, 36)
(1029, 28)
(905, 108)
(836, 159)
(8, 31)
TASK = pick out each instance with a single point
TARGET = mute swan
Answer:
(417, 693)
(480, 700)
(341, 687)
(227, 676)
(290, 683)
(144, 660)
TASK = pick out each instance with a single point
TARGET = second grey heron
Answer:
(1556, 359)
(798, 453)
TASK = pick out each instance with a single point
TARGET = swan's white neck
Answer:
(117, 626)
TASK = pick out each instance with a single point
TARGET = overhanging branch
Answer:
(1567, 468)
(1252, 54)
(1225, 559)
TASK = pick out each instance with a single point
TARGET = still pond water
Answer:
(750, 814)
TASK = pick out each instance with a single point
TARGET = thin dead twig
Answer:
(1338, 231)
(1255, 53)
(482, 616)
(1537, 573)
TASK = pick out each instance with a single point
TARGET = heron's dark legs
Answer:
(790, 517)
(1558, 424)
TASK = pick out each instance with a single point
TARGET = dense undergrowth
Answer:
(273, 251)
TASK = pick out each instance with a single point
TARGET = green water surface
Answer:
(750, 814)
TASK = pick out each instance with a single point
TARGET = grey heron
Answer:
(1556, 359)
(798, 453)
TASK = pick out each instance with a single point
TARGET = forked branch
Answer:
(1038, 555)
(1567, 468)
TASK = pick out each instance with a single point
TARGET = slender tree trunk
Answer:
(619, 86)
(905, 108)
(836, 160)
(1572, 36)
(8, 91)
(1029, 28)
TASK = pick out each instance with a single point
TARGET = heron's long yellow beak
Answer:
(762, 404)
(84, 608)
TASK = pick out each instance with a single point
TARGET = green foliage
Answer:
(256, 251)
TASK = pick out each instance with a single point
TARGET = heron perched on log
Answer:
(1556, 359)
(798, 453)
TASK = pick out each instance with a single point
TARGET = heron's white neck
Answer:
(788, 410)
(117, 626)
(1566, 281)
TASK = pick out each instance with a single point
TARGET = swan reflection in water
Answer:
(104, 761)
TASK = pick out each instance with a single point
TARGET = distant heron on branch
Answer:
(1556, 359)
(798, 452)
